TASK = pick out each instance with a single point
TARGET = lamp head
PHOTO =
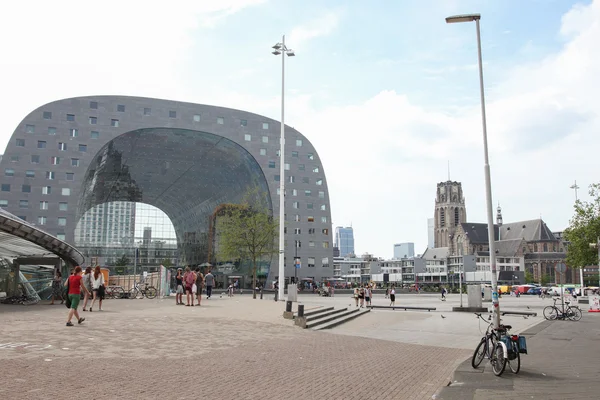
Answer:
(276, 52)
(463, 18)
(291, 53)
(277, 46)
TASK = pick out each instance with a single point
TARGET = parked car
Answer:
(535, 291)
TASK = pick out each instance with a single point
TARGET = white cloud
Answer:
(322, 25)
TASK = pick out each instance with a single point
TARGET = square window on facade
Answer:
(297, 231)
(247, 137)
(5, 187)
(35, 159)
(265, 125)
(319, 182)
(316, 169)
(70, 176)
(307, 193)
(311, 244)
(51, 130)
(30, 128)
(311, 156)
(324, 220)
(3, 203)
(26, 188)
(93, 120)
(65, 191)
(94, 134)
(311, 262)
(14, 158)
(325, 245)
(297, 219)
(47, 115)
(263, 152)
(325, 231)
(310, 219)
(278, 152)
(71, 117)
(299, 142)
(62, 146)
(243, 122)
(295, 154)
(30, 173)
(305, 179)
(60, 236)
(311, 231)
(286, 166)
(220, 120)
(42, 220)
(83, 148)
(271, 164)
(50, 175)
(147, 111)
(323, 207)
(295, 204)
(301, 167)
(94, 105)
(62, 206)
(265, 139)
(114, 123)
(43, 205)
(309, 206)
(41, 144)
(196, 117)
(120, 108)
(74, 162)
(294, 192)
(55, 160)
(20, 142)
(277, 178)
(321, 195)
(62, 221)
(172, 114)
(73, 132)
(292, 179)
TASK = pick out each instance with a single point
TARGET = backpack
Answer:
(189, 279)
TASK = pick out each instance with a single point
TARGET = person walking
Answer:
(179, 287)
(444, 293)
(361, 296)
(189, 279)
(57, 290)
(75, 286)
(97, 287)
(209, 281)
(393, 296)
(368, 295)
(87, 282)
(387, 293)
(199, 285)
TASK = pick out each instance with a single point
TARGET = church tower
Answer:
(499, 215)
(450, 212)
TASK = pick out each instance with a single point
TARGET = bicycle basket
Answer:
(522, 345)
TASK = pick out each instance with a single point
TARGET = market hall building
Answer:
(185, 159)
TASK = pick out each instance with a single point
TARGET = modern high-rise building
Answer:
(404, 250)
(430, 233)
(344, 240)
(72, 156)
(106, 225)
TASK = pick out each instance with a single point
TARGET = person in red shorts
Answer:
(75, 287)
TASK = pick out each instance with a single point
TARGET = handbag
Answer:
(67, 299)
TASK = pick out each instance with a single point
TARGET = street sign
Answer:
(298, 264)
(561, 268)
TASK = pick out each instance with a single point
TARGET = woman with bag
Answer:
(189, 279)
(97, 287)
(74, 287)
(199, 284)
(87, 282)
(57, 292)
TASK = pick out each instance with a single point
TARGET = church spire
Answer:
(499, 215)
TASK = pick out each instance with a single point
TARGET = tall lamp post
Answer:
(596, 246)
(281, 49)
(488, 183)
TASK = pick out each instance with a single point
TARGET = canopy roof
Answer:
(19, 238)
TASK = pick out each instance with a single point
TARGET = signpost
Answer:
(594, 303)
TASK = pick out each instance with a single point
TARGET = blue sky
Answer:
(385, 90)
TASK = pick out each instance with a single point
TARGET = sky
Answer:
(386, 91)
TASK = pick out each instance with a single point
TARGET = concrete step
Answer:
(330, 317)
(330, 311)
(340, 320)
(313, 311)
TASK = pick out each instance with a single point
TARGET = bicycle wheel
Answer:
(498, 361)
(515, 365)
(550, 312)
(480, 353)
(574, 313)
(150, 292)
(133, 293)
(117, 292)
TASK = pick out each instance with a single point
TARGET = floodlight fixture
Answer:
(463, 18)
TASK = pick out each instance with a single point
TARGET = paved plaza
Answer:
(239, 348)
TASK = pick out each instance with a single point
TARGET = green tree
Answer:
(122, 262)
(166, 262)
(247, 232)
(545, 280)
(584, 228)
(528, 277)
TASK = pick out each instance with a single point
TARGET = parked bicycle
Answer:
(148, 291)
(500, 348)
(115, 292)
(22, 299)
(553, 312)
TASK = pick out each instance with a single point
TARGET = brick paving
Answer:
(562, 364)
(226, 349)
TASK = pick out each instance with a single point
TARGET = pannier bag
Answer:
(522, 345)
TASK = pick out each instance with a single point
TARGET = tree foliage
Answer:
(584, 228)
(122, 262)
(247, 232)
(528, 277)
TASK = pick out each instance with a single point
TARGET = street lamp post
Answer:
(281, 49)
(597, 246)
(488, 183)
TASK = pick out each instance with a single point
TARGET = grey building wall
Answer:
(404, 250)
(35, 142)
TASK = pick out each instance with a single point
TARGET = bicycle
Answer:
(116, 292)
(149, 292)
(552, 312)
(499, 347)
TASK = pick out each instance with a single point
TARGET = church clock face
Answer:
(454, 189)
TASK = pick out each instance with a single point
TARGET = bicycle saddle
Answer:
(505, 327)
